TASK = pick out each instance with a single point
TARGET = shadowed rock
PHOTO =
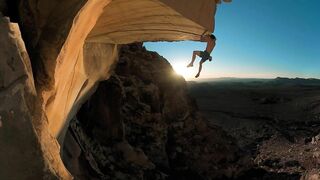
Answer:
(73, 45)
(145, 107)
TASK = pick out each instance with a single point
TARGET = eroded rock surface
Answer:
(24, 152)
(141, 123)
(57, 34)
(68, 64)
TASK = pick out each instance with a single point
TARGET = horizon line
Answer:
(261, 78)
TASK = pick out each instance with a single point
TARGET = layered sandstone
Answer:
(72, 46)
(57, 39)
(114, 22)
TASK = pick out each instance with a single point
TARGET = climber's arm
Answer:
(202, 39)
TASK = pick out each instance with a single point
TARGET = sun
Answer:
(181, 69)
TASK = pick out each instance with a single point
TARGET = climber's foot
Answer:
(210, 59)
(197, 75)
(190, 65)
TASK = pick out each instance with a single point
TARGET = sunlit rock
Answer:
(73, 45)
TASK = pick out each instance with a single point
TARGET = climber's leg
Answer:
(198, 53)
(200, 67)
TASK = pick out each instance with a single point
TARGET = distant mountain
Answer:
(297, 78)
(232, 79)
(297, 81)
(248, 81)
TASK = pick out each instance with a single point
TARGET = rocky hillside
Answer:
(142, 124)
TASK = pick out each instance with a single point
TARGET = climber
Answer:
(205, 55)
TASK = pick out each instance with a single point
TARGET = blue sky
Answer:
(256, 38)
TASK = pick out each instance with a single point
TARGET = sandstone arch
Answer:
(112, 23)
(73, 45)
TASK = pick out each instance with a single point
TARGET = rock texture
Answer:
(142, 124)
(58, 41)
(71, 50)
(153, 21)
(276, 120)
(145, 20)
(25, 152)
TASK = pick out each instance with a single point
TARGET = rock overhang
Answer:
(74, 45)
(116, 22)
(124, 22)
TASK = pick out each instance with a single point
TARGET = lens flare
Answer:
(181, 69)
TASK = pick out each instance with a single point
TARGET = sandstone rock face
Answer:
(141, 124)
(311, 175)
(72, 48)
(58, 41)
(24, 152)
(153, 21)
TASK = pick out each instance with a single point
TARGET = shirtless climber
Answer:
(205, 55)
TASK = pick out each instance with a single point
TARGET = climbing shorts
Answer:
(205, 56)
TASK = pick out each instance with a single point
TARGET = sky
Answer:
(255, 39)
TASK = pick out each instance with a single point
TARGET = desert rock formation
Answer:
(133, 128)
(21, 114)
(71, 48)
(58, 42)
